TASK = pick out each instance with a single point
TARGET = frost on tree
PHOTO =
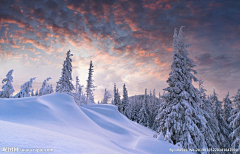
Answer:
(143, 113)
(64, 84)
(78, 93)
(125, 99)
(212, 130)
(179, 117)
(222, 137)
(227, 108)
(90, 87)
(46, 88)
(25, 89)
(235, 122)
(7, 87)
(107, 96)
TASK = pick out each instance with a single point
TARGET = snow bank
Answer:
(55, 121)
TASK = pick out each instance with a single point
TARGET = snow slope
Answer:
(55, 121)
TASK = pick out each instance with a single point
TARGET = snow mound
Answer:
(55, 121)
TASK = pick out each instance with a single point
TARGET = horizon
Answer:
(128, 42)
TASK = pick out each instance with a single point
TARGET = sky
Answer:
(128, 41)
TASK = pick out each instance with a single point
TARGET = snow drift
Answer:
(55, 121)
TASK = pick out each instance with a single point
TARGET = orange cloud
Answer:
(34, 59)
(38, 45)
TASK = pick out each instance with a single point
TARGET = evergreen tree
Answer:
(125, 98)
(46, 88)
(235, 122)
(222, 137)
(179, 118)
(78, 91)
(36, 93)
(143, 113)
(90, 87)
(212, 130)
(106, 97)
(227, 108)
(64, 84)
(25, 89)
(7, 87)
(118, 101)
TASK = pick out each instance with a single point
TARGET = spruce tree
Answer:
(212, 130)
(7, 87)
(90, 87)
(25, 89)
(125, 99)
(222, 137)
(143, 113)
(227, 108)
(64, 84)
(179, 117)
(106, 97)
(235, 122)
(46, 88)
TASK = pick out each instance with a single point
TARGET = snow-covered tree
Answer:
(106, 97)
(90, 87)
(46, 88)
(7, 87)
(78, 92)
(210, 134)
(64, 84)
(180, 119)
(227, 108)
(125, 99)
(235, 122)
(25, 89)
(143, 113)
(36, 93)
(222, 137)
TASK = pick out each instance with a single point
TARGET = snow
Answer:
(55, 121)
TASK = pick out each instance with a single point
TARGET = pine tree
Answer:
(227, 108)
(90, 87)
(235, 122)
(46, 89)
(125, 99)
(25, 89)
(143, 113)
(78, 92)
(179, 117)
(114, 95)
(212, 130)
(7, 88)
(118, 101)
(222, 137)
(64, 84)
(106, 97)
(36, 93)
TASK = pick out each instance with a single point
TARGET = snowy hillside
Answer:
(55, 121)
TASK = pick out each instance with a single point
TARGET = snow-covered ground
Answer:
(55, 122)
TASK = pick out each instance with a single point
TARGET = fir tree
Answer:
(90, 87)
(46, 89)
(235, 122)
(64, 84)
(7, 87)
(222, 137)
(25, 89)
(125, 98)
(36, 93)
(212, 129)
(106, 97)
(143, 113)
(179, 118)
(227, 108)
